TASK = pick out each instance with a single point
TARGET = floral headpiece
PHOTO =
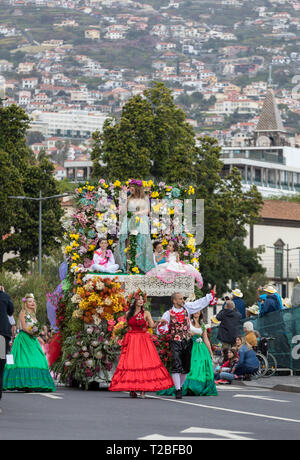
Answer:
(28, 296)
(139, 183)
(134, 296)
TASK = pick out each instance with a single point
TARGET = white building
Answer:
(71, 123)
(278, 233)
(267, 161)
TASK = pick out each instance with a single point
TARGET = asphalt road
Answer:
(71, 414)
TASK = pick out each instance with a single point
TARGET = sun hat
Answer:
(270, 289)
(237, 293)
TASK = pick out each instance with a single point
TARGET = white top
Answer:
(11, 320)
(190, 307)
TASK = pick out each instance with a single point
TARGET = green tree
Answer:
(22, 176)
(151, 137)
(228, 212)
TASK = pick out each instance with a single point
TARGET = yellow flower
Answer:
(110, 242)
(105, 185)
(137, 219)
(75, 256)
(100, 216)
(90, 188)
(164, 242)
(92, 247)
(157, 207)
(154, 194)
(155, 235)
(108, 317)
(80, 190)
(117, 183)
(150, 183)
(135, 270)
(126, 250)
(171, 212)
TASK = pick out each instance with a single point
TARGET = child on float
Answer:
(159, 253)
(173, 267)
(103, 259)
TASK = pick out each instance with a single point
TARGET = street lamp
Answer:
(40, 200)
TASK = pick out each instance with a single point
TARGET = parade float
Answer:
(88, 309)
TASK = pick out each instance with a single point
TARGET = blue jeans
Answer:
(242, 370)
(226, 376)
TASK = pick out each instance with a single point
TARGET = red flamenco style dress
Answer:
(139, 367)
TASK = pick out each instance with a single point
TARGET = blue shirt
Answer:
(264, 296)
(240, 306)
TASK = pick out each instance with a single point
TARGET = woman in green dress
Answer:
(30, 371)
(200, 380)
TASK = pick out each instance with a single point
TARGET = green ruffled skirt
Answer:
(200, 380)
(30, 370)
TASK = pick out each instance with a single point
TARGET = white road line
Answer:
(233, 411)
(218, 435)
(264, 398)
(47, 395)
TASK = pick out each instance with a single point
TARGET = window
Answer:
(278, 263)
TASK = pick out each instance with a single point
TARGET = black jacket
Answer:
(229, 328)
(6, 309)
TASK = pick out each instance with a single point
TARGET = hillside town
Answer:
(86, 62)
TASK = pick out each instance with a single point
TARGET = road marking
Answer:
(47, 395)
(233, 411)
(230, 435)
(264, 398)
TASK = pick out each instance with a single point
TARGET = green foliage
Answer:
(151, 137)
(21, 176)
(249, 285)
(18, 285)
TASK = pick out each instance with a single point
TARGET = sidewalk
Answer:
(287, 383)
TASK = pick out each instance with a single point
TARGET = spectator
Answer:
(239, 303)
(261, 298)
(229, 328)
(248, 363)
(6, 311)
(295, 300)
(271, 302)
(250, 335)
(225, 374)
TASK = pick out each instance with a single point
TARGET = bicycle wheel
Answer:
(272, 366)
(263, 366)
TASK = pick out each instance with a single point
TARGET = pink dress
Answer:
(168, 271)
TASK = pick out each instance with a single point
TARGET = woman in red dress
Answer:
(139, 367)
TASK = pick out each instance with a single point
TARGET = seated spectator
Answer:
(225, 374)
(248, 363)
(250, 335)
(229, 328)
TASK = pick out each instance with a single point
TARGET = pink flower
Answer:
(186, 253)
(122, 319)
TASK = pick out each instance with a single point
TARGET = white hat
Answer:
(270, 289)
(248, 325)
(237, 293)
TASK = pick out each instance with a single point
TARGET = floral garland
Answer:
(97, 216)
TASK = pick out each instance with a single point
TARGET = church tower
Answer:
(270, 131)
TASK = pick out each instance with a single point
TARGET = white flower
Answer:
(86, 354)
(90, 363)
(84, 348)
(89, 330)
(99, 354)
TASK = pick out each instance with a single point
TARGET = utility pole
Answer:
(40, 200)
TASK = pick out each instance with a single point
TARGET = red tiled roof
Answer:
(285, 210)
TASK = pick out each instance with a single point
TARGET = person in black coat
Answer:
(6, 310)
(229, 328)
